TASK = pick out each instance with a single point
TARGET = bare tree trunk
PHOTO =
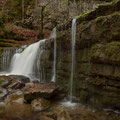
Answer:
(22, 10)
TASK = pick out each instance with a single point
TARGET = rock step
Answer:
(41, 90)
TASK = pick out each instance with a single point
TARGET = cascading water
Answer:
(54, 64)
(23, 63)
(69, 102)
(26, 61)
(39, 69)
(6, 59)
(73, 57)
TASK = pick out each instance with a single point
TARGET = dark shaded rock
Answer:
(14, 81)
(40, 104)
(21, 78)
(42, 90)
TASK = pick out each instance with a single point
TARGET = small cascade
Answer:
(38, 69)
(73, 57)
(23, 63)
(53, 35)
(6, 58)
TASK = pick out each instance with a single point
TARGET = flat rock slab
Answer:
(41, 90)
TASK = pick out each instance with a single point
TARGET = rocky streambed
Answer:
(21, 99)
(17, 93)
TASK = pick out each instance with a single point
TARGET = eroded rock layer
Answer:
(97, 73)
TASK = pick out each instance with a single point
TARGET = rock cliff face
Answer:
(97, 73)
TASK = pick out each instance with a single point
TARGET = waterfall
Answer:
(54, 64)
(26, 61)
(70, 102)
(23, 63)
(73, 57)
(39, 69)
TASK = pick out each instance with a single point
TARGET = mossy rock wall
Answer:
(97, 69)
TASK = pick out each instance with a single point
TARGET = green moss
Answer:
(96, 50)
(112, 49)
(108, 8)
(84, 14)
(5, 45)
(109, 53)
(98, 19)
(109, 4)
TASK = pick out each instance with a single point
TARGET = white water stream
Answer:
(54, 63)
(70, 101)
(73, 57)
(27, 62)
(22, 63)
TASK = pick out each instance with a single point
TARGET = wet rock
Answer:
(18, 92)
(42, 90)
(29, 85)
(40, 104)
(4, 81)
(13, 81)
(20, 101)
(15, 97)
(24, 79)
(2, 105)
(3, 93)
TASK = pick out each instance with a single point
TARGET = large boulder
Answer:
(41, 90)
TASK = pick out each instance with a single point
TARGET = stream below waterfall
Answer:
(56, 112)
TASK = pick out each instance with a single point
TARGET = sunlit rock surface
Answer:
(41, 90)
